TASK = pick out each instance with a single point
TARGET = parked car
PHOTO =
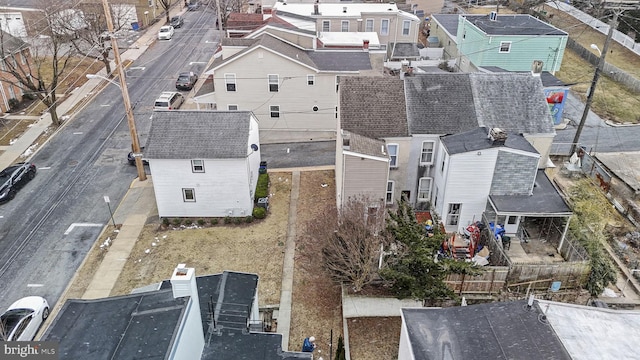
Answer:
(177, 21)
(169, 100)
(193, 5)
(186, 80)
(132, 160)
(24, 317)
(15, 177)
(165, 33)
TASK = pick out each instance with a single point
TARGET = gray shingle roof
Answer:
(449, 22)
(440, 103)
(545, 199)
(514, 102)
(547, 78)
(373, 106)
(477, 139)
(513, 25)
(404, 50)
(12, 44)
(366, 146)
(182, 134)
(326, 60)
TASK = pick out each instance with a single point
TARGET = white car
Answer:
(23, 318)
(165, 33)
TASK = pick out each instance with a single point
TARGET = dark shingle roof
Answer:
(449, 22)
(440, 103)
(499, 330)
(546, 77)
(513, 102)
(373, 106)
(545, 199)
(513, 25)
(477, 139)
(340, 60)
(404, 50)
(366, 146)
(182, 134)
(238, 42)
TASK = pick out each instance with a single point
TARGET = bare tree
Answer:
(38, 68)
(227, 7)
(349, 240)
(166, 5)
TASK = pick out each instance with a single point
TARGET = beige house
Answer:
(291, 90)
(391, 24)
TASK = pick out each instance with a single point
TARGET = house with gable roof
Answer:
(512, 42)
(204, 163)
(291, 90)
(17, 56)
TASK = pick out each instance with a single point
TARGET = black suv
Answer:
(13, 178)
(176, 22)
(186, 80)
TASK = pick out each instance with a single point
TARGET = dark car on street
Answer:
(186, 80)
(176, 22)
(15, 177)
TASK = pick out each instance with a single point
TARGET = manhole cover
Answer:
(73, 163)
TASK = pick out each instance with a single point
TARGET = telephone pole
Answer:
(135, 145)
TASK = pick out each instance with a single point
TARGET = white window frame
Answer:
(274, 111)
(406, 27)
(186, 197)
(232, 107)
(505, 47)
(384, 32)
(390, 192)
(369, 25)
(393, 158)
(342, 26)
(424, 194)
(431, 153)
(311, 80)
(274, 82)
(453, 214)
(230, 79)
(197, 166)
(326, 25)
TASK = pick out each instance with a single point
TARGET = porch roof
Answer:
(545, 200)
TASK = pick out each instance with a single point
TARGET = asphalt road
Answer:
(48, 229)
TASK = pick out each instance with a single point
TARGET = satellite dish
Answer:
(254, 147)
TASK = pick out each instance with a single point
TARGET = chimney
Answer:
(497, 136)
(404, 68)
(536, 67)
(316, 11)
(190, 342)
(365, 44)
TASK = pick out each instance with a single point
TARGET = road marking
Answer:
(137, 68)
(35, 285)
(70, 228)
(77, 133)
(44, 168)
(197, 62)
(104, 105)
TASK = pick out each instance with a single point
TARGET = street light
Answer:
(629, 278)
(96, 76)
(596, 48)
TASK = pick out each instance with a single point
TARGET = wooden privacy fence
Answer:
(540, 276)
(491, 281)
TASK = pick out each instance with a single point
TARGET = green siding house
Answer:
(511, 42)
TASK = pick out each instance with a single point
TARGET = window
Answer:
(427, 152)
(424, 189)
(311, 79)
(444, 157)
(453, 215)
(505, 46)
(273, 83)
(188, 195)
(326, 25)
(275, 111)
(345, 26)
(23, 59)
(389, 198)
(197, 166)
(368, 26)
(435, 198)
(393, 155)
(384, 27)
(406, 26)
(230, 81)
(232, 107)
(337, 82)
(512, 220)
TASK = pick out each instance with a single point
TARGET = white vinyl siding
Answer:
(393, 155)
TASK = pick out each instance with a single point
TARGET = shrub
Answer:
(214, 221)
(177, 221)
(165, 221)
(188, 222)
(248, 219)
(13, 104)
(259, 212)
(237, 220)
(262, 188)
(228, 220)
(29, 96)
(200, 222)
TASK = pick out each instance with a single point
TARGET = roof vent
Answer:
(344, 9)
(493, 16)
(497, 136)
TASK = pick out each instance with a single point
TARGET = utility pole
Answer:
(135, 145)
(220, 21)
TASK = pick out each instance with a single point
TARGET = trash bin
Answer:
(135, 26)
(263, 167)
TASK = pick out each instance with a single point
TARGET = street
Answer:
(47, 230)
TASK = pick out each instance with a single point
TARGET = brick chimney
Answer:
(365, 44)
(316, 11)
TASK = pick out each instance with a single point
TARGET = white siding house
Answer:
(204, 163)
